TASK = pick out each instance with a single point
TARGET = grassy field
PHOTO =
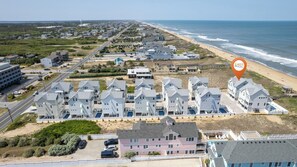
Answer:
(21, 121)
(81, 127)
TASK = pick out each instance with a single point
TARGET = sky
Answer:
(44, 10)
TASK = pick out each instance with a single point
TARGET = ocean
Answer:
(271, 43)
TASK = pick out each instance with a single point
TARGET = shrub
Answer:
(5, 155)
(3, 143)
(38, 142)
(154, 153)
(58, 141)
(50, 141)
(14, 141)
(130, 154)
(71, 141)
(28, 153)
(39, 152)
(24, 141)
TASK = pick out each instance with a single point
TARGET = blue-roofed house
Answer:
(118, 61)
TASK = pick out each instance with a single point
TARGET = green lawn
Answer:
(102, 85)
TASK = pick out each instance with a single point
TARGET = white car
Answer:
(111, 147)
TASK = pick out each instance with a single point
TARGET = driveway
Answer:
(231, 103)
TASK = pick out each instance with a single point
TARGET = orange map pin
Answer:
(239, 66)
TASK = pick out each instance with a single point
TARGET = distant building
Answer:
(118, 61)
(9, 74)
(253, 153)
(140, 72)
(49, 105)
(54, 59)
(10, 58)
(145, 102)
(207, 100)
(166, 138)
(194, 83)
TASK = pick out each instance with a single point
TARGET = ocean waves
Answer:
(212, 39)
(260, 54)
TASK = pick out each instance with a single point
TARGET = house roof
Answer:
(241, 82)
(158, 130)
(46, 96)
(94, 84)
(145, 92)
(120, 84)
(181, 92)
(80, 95)
(195, 80)
(173, 81)
(111, 92)
(258, 151)
(202, 90)
(145, 82)
(63, 86)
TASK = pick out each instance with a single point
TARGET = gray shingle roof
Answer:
(180, 92)
(195, 80)
(144, 82)
(258, 151)
(111, 92)
(46, 96)
(93, 84)
(157, 130)
(120, 84)
(173, 81)
(81, 95)
(145, 92)
(62, 86)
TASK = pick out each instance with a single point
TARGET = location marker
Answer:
(238, 66)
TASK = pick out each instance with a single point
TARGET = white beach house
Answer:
(168, 83)
(81, 104)
(112, 103)
(176, 101)
(117, 85)
(49, 105)
(62, 88)
(145, 102)
(207, 100)
(90, 86)
(194, 83)
(235, 85)
(144, 83)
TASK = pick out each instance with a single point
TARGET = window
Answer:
(166, 137)
(146, 139)
(174, 137)
(170, 136)
(170, 146)
(131, 147)
(145, 146)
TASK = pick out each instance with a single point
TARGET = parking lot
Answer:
(92, 150)
(231, 103)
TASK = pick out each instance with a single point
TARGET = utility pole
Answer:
(9, 113)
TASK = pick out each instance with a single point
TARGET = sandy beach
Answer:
(270, 73)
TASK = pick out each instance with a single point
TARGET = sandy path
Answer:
(270, 73)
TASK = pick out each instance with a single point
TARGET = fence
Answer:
(166, 157)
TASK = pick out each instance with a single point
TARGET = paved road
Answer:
(26, 103)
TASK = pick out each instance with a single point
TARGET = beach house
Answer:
(49, 105)
(118, 61)
(166, 138)
(117, 85)
(62, 88)
(253, 153)
(54, 59)
(90, 86)
(112, 103)
(194, 83)
(81, 104)
(168, 83)
(140, 72)
(207, 100)
(176, 101)
(144, 83)
(145, 102)
(235, 85)
(253, 97)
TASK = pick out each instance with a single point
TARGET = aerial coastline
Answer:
(275, 75)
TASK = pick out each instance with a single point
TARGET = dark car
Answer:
(111, 142)
(82, 144)
(109, 154)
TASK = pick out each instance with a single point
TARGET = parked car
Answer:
(82, 144)
(109, 154)
(111, 147)
(46, 69)
(111, 142)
